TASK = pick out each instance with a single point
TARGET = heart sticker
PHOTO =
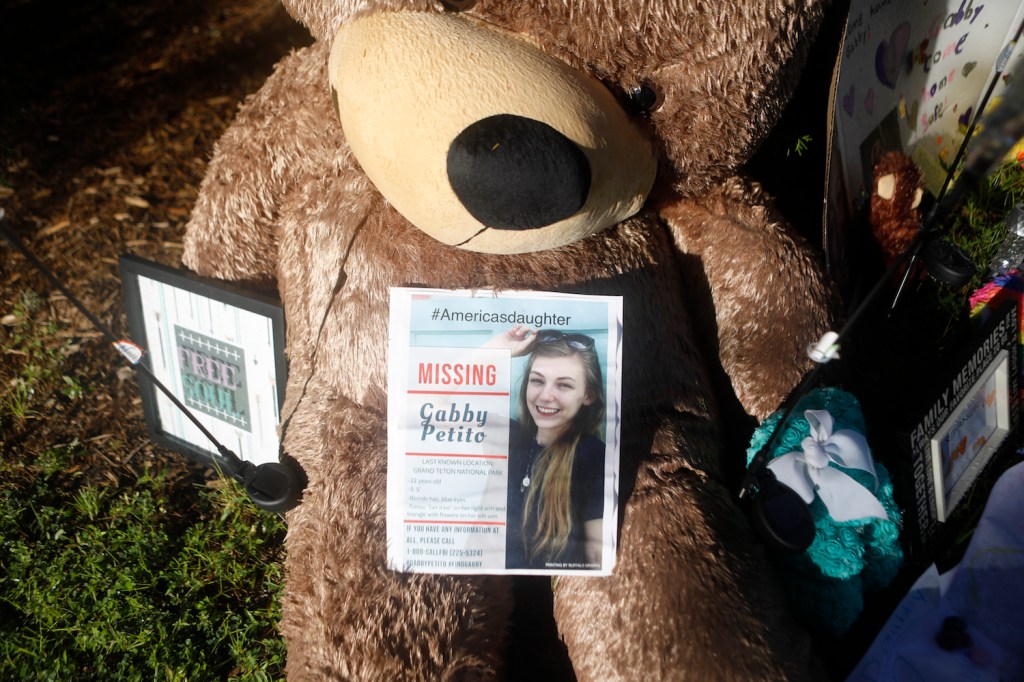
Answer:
(889, 55)
(848, 100)
(965, 118)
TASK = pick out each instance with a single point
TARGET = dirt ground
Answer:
(109, 110)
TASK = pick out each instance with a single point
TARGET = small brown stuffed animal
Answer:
(377, 158)
(895, 216)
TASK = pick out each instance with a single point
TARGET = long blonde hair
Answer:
(549, 500)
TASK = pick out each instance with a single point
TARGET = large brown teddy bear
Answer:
(586, 146)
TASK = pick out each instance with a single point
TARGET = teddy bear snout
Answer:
(479, 138)
(515, 173)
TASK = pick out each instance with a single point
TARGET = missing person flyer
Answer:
(503, 432)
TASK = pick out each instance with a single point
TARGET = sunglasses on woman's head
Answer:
(574, 341)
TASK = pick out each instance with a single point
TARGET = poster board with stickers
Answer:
(219, 349)
(910, 77)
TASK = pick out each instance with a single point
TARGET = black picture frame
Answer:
(932, 490)
(971, 435)
(219, 348)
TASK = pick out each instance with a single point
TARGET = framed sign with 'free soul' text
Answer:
(219, 349)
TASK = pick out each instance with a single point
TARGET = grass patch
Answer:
(34, 360)
(979, 228)
(152, 581)
(152, 574)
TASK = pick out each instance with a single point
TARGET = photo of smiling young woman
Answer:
(556, 454)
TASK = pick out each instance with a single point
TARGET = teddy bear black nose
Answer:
(515, 173)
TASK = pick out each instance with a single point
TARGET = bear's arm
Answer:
(231, 232)
(769, 294)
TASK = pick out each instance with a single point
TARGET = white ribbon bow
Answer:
(808, 472)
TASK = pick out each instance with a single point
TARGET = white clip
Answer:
(132, 352)
(825, 349)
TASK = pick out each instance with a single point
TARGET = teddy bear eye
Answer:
(643, 98)
(457, 5)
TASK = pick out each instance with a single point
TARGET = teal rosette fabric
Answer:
(848, 556)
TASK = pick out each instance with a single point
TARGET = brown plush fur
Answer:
(711, 280)
(895, 219)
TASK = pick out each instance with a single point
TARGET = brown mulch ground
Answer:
(108, 113)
